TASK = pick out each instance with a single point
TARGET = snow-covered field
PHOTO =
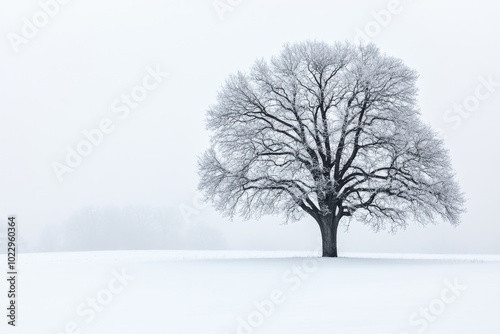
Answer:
(255, 292)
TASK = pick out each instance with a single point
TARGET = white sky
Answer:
(65, 78)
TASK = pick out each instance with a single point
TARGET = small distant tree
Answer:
(332, 131)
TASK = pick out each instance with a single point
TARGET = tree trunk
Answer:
(328, 226)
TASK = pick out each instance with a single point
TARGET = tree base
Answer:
(328, 226)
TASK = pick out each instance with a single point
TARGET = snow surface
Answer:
(216, 292)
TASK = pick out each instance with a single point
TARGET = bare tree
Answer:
(332, 131)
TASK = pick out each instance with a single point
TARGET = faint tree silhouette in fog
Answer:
(129, 228)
